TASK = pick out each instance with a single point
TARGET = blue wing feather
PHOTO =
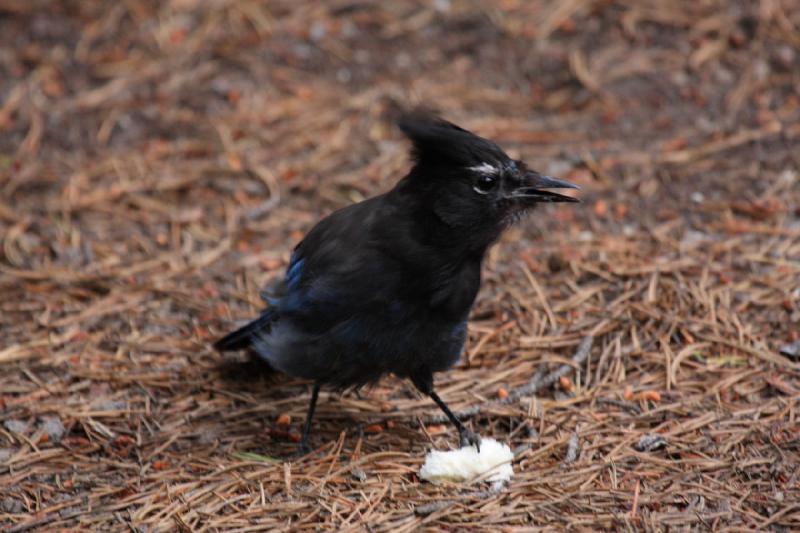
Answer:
(294, 273)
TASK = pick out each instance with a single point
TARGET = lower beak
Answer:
(534, 189)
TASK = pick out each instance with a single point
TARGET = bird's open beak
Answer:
(532, 189)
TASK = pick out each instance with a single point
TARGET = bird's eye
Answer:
(485, 184)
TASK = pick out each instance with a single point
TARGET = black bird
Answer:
(386, 285)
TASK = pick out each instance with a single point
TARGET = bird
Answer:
(386, 285)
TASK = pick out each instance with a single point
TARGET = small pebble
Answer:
(792, 351)
(651, 443)
(11, 505)
(16, 426)
(110, 405)
(53, 427)
(573, 449)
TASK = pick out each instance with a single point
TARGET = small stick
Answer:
(538, 383)
(430, 508)
(635, 505)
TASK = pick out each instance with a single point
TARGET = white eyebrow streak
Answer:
(485, 168)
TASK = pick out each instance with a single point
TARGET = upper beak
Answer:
(532, 189)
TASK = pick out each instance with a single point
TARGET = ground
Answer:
(159, 160)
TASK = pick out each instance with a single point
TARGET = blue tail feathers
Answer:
(243, 337)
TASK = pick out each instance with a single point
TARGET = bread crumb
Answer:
(466, 463)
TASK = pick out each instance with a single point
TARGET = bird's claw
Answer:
(302, 449)
(470, 438)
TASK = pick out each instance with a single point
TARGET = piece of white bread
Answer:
(466, 463)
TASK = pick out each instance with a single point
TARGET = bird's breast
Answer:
(455, 290)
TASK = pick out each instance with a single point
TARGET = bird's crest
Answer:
(437, 141)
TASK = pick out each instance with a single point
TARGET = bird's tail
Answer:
(242, 338)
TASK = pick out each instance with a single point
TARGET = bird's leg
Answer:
(303, 447)
(466, 436)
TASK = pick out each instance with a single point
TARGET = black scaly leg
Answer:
(466, 436)
(304, 448)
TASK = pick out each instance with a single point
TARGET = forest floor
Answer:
(159, 160)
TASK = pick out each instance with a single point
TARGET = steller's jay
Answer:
(386, 285)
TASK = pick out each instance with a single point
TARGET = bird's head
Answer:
(469, 181)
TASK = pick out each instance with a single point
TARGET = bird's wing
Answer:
(334, 271)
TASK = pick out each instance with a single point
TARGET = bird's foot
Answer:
(302, 449)
(470, 438)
